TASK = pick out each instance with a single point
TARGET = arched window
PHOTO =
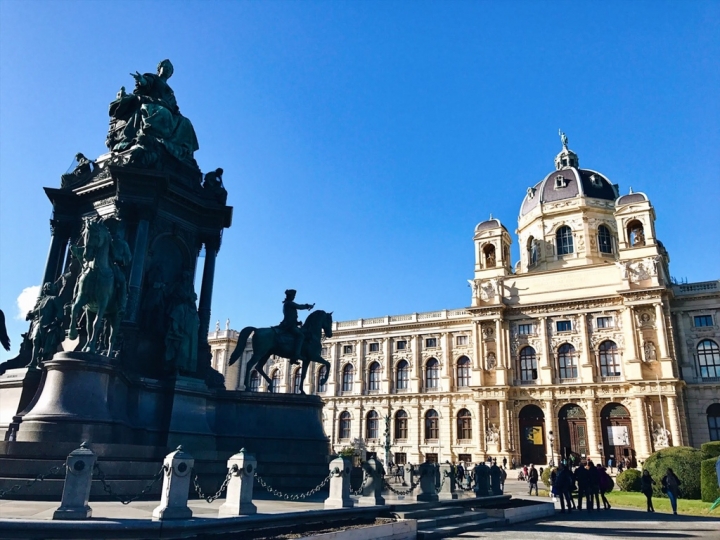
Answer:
(609, 359)
(275, 381)
(254, 381)
(321, 373)
(344, 426)
(489, 256)
(401, 425)
(564, 240)
(532, 249)
(709, 359)
(403, 375)
(432, 374)
(528, 364)
(348, 373)
(372, 425)
(297, 382)
(636, 233)
(432, 426)
(464, 424)
(567, 364)
(463, 372)
(374, 377)
(604, 240)
(713, 417)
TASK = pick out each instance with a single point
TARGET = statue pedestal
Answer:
(17, 388)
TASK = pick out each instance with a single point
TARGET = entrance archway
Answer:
(573, 432)
(532, 435)
(617, 434)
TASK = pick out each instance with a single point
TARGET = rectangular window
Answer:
(603, 322)
(563, 326)
(431, 342)
(374, 347)
(431, 458)
(703, 320)
(465, 458)
(400, 458)
(401, 345)
(323, 352)
(461, 340)
(525, 329)
(347, 349)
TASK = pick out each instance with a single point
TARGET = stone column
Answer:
(499, 345)
(551, 425)
(592, 426)
(387, 381)
(334, 367)
(640, 427)
(585, 366)
(672, 411)
(481, 442)
(137, 269)
(206, 290)
(661, 334)
(59, 235)
(361, 368)
(479, 357)
(545, 365)
(502, 412)
(447, 378)
(631, 349)
(415, 382)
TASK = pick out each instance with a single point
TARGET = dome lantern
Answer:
(566, 157)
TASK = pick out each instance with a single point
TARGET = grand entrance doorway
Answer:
(532, 435)
(573, 433)
(617, 434)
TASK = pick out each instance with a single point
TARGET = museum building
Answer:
(585, 346)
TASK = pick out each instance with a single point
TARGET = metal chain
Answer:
(442, 483)
(402, 491)
(108, 489)
(285, 496)
(469, 488)
(359, 490)
(223, 486)
(30, 483)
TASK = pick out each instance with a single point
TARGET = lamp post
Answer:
(600, 451)
(387, 442)
(552, 448)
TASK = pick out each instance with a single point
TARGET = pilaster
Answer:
(640, 428)
(674, 419)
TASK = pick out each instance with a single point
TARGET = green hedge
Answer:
(709, 480)
(629, 480)
(711, 449)
(685, 462)
(546, 476)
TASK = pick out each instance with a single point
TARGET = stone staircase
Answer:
(446, 520)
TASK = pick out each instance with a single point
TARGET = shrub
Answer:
(711, 449)
(709, 480)
(612, 485)
(629, 480)
(685, 462)
(546, 477)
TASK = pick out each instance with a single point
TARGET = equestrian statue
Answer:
(298, 343)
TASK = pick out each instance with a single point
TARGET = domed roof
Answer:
(491, 223)
(631, 198)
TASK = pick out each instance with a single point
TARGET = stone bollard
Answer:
(447, 482)
(176, 486)
(340, 468)
(482, 480)
(238, 501)
(428, 493)
(78, 480)
(373, 486)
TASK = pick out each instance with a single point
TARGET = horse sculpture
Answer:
(270, 341)
(95, 290)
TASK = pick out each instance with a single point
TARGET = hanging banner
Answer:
(618, 436)
(534, 435)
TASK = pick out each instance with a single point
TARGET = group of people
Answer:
(590, 481)
(670, 486)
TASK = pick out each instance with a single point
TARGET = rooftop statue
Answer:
(148, 122)
(563, 138)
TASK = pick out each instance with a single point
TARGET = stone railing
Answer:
(444, 314)
(689, 288)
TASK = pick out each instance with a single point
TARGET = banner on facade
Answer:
(534, 435)
(618, 436)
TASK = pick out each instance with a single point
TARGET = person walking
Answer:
(646, 487)
(561, 488)
(504, 462)
(503, 477)
(460, 473)
(581, 479)
(533, 479)
(671, 486)
(512, 463)
(605, 485)
(593, 486)
(553, 479)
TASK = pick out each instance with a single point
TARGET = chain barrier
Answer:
(469, 488)
(359, 490)
(219, 492)
(401, 492)
(107, 488)
(442, 483)
(30, 483)
(287, 497)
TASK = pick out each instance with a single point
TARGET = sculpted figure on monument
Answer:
(290, 323)
(181, 340)
(148, 122)
(46, 331)
(214, 185)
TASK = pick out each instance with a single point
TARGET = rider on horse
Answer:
(290, 322)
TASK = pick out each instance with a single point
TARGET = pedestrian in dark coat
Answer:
(533, 479)
(671, 486)
(582, 480)
(605, 485)
(561, 488)
(646, 487)
(593, 486)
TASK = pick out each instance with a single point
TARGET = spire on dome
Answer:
(566, 157)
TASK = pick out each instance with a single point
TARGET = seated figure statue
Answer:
(148, 121)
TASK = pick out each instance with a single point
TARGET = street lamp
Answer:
(387, 442)
(552, 448)
(600, 451)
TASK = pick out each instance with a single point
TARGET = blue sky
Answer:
(363, 141)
